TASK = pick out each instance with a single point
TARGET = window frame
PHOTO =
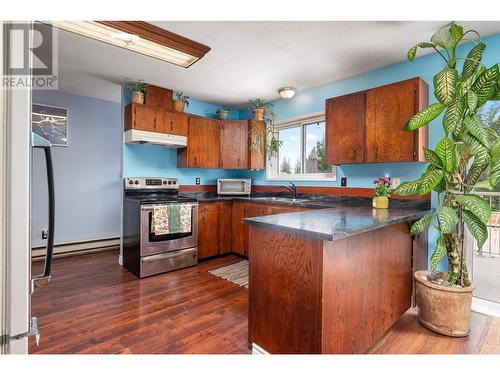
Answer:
(272, 164)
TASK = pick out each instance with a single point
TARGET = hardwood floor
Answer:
(93, 305)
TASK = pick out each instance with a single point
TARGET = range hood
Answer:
(161, 139)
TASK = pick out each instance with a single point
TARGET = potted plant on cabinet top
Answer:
(381, 193)
(180, 102)
(468, 151)
(259, 107)
(223, 112)
(137, 91)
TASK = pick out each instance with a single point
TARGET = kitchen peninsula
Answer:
(330, 280)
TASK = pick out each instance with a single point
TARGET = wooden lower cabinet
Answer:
(221, 229)
(208, 229)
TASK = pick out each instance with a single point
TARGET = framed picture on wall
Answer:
(50, 123)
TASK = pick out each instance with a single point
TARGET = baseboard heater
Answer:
(74, 248)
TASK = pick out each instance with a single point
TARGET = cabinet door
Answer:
(176, 123)
(203, 149)
(388, 108)
(345, 129)
(144, 118)
(225, 223)
(208, 230)
(256, 149)
(238, 228)
(234, 144)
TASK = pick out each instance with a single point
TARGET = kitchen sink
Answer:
(283, 199)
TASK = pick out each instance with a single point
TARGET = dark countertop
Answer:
(335, 223)
(313, 201)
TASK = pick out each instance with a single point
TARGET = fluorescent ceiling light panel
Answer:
(140, 37)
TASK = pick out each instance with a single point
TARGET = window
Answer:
(302, 155)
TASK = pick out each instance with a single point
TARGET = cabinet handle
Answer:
(195, 162)
(414, 154)
(154, 123)
(353, 154)
(376, 152)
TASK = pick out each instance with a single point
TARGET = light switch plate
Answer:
(197, 180)
(395, 182)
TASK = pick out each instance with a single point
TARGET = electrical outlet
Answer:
(343, 181)
(197, 180)
(45, 234)
(395, 182)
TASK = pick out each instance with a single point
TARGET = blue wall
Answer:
(87, 172)
(313, 100)
(151, 161)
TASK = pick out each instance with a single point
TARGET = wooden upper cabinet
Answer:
(367, 127)
(234, 144)
(345, 130)
(159, 97)
(256, 150)
(176, 123)
(388, 108)
(203, 149)
(143, 117)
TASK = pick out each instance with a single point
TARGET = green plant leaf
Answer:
(472, 100)
(445, 85)
(485, 184)
(456, 32)
(452, 120)
(447, 218)
(474, 125)
(444, 149)
(438, 254)
(485, 85)
(413, 50)
(475, 204)
(424, 116)
(495, 164)
(473, 60)
(442, 38)
(432, 158)
(407, 188)
(473, 144)
(429, 181)
(473, 175)
(482, 158)
(477, 228)
(420, 225)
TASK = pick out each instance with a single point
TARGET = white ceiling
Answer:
(248, 59)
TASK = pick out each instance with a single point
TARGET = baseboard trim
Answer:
(77, 248)
(485, 307)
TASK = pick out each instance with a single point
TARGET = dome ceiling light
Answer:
(287, 92)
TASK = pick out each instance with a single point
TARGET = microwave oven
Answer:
(234, 186)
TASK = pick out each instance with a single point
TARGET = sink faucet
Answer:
(291, 189)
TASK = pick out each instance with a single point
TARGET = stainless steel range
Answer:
(145, 252)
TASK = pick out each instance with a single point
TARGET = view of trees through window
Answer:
(303, 149)
(490, 117)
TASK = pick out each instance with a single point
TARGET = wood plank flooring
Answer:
(93, 305)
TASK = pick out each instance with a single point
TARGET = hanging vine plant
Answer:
(268, 142)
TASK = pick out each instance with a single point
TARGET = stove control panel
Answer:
(150, 183)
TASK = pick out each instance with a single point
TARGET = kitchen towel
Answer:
(171, 219)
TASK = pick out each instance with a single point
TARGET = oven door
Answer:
(153, 244)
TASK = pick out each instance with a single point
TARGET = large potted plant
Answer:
(468, 152)
(269, 141)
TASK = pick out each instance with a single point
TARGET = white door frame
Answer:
(15, 194)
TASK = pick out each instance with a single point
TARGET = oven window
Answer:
(233, 186)
(167, 237)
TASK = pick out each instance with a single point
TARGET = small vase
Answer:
(380, 202)
(137, 97)
(179, 105)
(258, 114)
(222, 115)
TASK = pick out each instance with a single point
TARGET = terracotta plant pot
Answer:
(380, 202)
(258, 114)
(179, 105)
(137, 97)
(443, 309)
